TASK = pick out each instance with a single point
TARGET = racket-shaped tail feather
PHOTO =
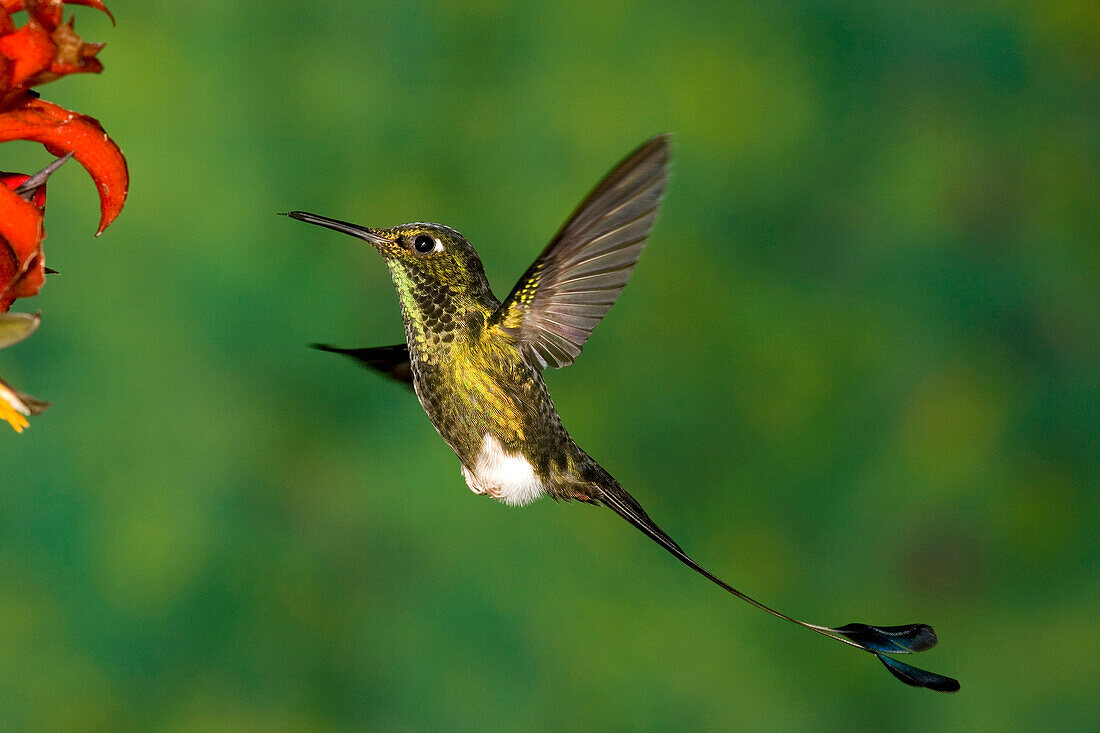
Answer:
(916, 677)
(876, 640)
(890, 639)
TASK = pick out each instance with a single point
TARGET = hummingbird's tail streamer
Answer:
(876, 640)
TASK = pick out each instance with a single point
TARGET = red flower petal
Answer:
(30, 275)
(20, 241)
(62, 131)
(48, 12)
(30, 280)
(41, 52)
(31, 50)
(20, 220)
(15, 180)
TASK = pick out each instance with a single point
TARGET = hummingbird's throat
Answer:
(431, 311)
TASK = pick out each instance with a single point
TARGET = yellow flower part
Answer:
(10, 405)
(16, 407)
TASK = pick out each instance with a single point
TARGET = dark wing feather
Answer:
(575, 281)
(393, 361)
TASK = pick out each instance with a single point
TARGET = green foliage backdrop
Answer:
(855, 373)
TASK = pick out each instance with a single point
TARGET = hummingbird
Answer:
(476, 363)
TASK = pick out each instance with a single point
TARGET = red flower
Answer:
(40, 51)
(23, 270)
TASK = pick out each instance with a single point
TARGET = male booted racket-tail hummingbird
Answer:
(476, 362)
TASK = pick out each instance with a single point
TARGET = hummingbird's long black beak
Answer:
(359, 232)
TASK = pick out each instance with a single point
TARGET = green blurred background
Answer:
(855, 373)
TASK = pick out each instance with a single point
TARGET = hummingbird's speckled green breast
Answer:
(487, 402)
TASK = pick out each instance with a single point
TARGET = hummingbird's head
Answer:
(431, 255)
(437, 273)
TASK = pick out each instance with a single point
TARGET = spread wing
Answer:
(575, 281)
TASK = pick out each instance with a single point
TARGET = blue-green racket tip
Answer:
(911, 675)
(891, 639)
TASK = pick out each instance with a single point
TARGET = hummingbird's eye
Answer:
(424, 244)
